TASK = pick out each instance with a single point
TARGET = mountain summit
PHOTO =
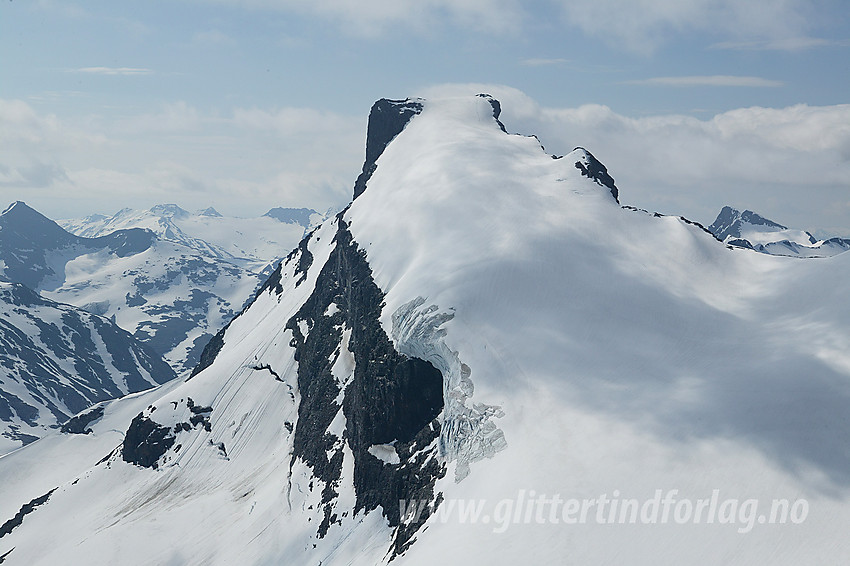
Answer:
(483, 327)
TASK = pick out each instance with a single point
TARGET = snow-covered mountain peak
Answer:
(171, 211)
(447, 117)
(251, 243)
(748, 229)
(18, 216)
(210, 211)
(481, 109)
(733, 222)
(455, 187)
(592, 168)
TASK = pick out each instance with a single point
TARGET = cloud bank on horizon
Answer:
(245, 105)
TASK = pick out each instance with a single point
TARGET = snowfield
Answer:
(251, 243)
(168, 296)
(586, 349)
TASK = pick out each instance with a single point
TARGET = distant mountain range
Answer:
(67, 297)
(750, 230)
(251, 243)
(171, 294)
(57, 360)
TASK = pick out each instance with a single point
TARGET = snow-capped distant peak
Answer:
(20, 208)
(252, 243)
(210, 212)
(732, 222)
(750, 230)
(33, 226)
(169, 211)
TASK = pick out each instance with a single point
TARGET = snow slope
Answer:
(584, 349)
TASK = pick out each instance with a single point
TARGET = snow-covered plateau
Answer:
(484, 321)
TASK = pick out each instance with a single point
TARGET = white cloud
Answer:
(113, 71)
(243, 161)
(790, 163)
(379, 16)
(174, 117)
(23, 130)
(34, 175)
(636, 25)
(709, 80)
(643, 25)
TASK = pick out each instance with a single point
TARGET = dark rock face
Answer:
(210, 352)
(843, 243)
(26, 509)
(124, 243)
(391, 398)
(146, 442)
(497, 110)
(386, 120)
(305, 259)
(598, 172)
(729, 222)
(738, 242)
(26, 235)
(80, 423)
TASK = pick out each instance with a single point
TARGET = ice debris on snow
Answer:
(468, 434)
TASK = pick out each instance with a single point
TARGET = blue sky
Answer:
(249, 104)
